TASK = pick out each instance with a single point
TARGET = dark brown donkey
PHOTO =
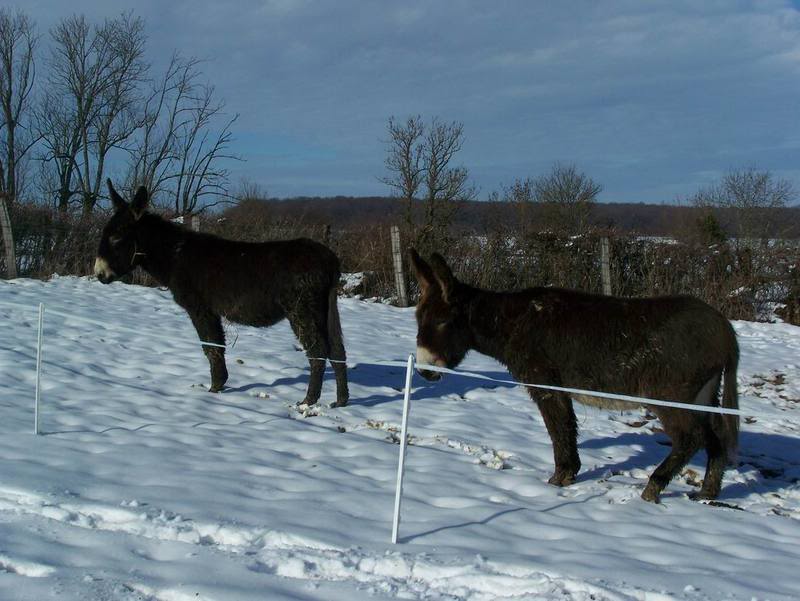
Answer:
(671, 348)
(256, 284)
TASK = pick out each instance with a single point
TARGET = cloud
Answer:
(668, 89)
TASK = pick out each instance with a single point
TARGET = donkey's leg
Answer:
(715, 448)
(337, 352)
(685, 442)
(715, 466)
(342, 390)
(559, 418)
(209, 329)
(309, 329)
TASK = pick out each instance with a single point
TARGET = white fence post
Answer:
(401, 462)
(195, 222)
(38, 370)
(399, 277)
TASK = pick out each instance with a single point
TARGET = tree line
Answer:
(420, 169)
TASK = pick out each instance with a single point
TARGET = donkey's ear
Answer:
(117, 200)
(140, 201)
(422, 271)
(444, 276)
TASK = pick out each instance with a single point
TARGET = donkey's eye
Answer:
(442, 322)
(114, 240)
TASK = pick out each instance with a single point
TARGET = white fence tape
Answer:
(602, 395)
(575, 391)
(115, 328)
(394, 363)
(124, 329)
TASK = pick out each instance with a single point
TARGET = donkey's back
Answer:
(663, 346)
(256, 283)
(276, 263)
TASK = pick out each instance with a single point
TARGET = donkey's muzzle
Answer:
(426, 357)
(103, 271)
(431, 376)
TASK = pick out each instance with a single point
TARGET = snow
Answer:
(147, 487)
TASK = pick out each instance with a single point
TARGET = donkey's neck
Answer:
(493, 319)
(158, 241)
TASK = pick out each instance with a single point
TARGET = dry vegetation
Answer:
(742, 281)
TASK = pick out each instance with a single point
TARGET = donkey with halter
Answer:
(675, 348)
(256, 284)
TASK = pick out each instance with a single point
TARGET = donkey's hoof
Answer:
(307, 402)
(562, 478)
(339, 403)
(703, 495)
(651, 494)
(217, 385)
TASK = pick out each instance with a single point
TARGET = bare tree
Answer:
(93, 79)
(163, 114)
(561, 200)
(58, 127)
(750, 196)
(444, 185)
(521, 194)
(200, 152)
(566, 197)
(17, 74)
(419, 167)
(404, 157)
(521, 191)
(248, 190)
(176, 152)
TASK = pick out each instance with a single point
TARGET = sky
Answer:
(651, 99)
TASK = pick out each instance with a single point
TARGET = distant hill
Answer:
(347, 213)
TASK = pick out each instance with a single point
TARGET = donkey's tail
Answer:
(336, 354)
(335, 340)
(726, 427)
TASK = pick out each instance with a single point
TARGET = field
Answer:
(144, 486)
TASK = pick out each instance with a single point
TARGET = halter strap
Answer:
(136, 253)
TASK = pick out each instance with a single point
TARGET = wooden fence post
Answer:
(605, 265)
(195, 221)
(399, 277)
(8, 237)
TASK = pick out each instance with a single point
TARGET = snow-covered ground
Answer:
(146, 487)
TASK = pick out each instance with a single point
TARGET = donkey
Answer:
(256, 284)
(672, 347)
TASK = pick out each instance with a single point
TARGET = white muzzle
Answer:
(102, 270)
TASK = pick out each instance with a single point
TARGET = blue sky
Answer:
(652, 99)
